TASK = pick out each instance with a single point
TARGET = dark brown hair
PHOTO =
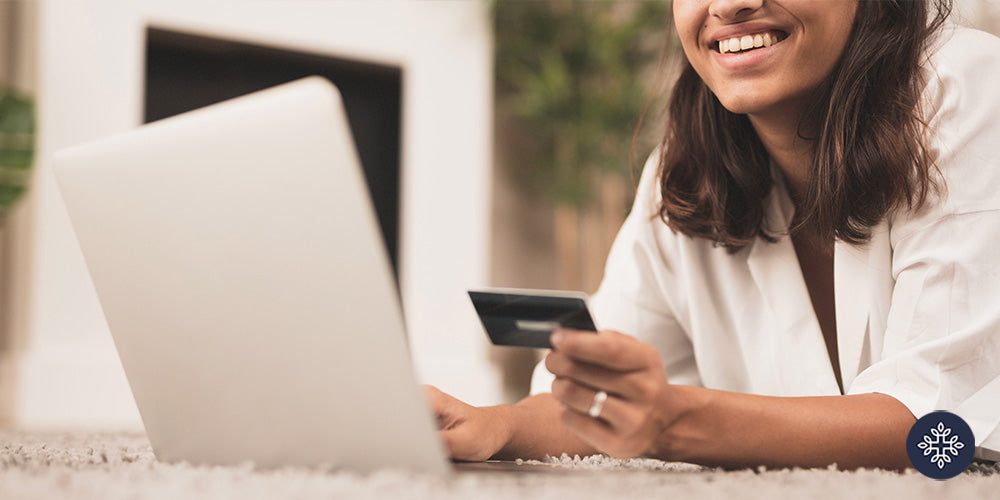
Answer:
(871, 154)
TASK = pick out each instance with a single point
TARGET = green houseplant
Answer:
(17, 150)
(577, 76)
(17, 146)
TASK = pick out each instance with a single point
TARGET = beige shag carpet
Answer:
(121, 466)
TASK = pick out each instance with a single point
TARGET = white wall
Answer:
(90, 85)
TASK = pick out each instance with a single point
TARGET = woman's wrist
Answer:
(679, 410)
(506, 420)
(532, 429)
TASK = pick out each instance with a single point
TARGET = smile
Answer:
(749, 42)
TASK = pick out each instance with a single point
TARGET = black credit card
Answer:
(526, 318)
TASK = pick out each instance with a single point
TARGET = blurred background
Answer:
(501, 142)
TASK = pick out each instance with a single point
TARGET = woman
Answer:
(811, 263)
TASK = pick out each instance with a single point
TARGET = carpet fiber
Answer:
(121, 466)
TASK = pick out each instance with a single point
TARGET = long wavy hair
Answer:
(871, 155)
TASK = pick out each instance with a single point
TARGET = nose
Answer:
(729, 10)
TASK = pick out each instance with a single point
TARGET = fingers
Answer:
(468, 433)
(433, 394)
(616, 412)
(633, 385)
(619, 430)
(448, 411)
(609, 349)
(629, 371)
(462, 444)
(437, 399)
(599, 434)
(458, 441)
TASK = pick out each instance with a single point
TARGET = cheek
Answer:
(686, 24)
(832, 40)
(818, 62)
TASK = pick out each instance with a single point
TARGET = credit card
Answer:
(527, 318)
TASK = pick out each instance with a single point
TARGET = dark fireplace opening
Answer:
(186, 72)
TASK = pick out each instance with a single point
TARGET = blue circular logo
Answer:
(940, 445)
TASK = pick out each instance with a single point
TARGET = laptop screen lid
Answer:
(238, 261)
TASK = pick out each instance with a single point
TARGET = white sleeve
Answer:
(631, 299)
(941, 349)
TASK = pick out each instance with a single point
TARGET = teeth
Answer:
(734, 44)
(747, 42)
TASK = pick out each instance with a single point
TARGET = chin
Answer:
(740, 105)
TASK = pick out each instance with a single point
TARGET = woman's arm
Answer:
(645, 415)
(738, 430)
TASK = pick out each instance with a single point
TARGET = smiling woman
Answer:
(810, 263)
(834, 105)
(806, 39)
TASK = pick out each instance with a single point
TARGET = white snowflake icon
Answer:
(940, 445)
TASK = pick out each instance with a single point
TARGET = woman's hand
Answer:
(470, 433)
(637, 409)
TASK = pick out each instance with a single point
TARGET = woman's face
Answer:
(761, 56)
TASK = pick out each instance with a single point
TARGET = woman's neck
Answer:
(779, 133)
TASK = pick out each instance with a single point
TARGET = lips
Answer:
(753, 59)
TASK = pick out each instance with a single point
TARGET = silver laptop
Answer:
(237, 257)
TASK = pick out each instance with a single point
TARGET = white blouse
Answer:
(917, 308)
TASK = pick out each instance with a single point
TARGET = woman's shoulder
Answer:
(956, 46)
(955, 38)
(962, 60)
(960, 107)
